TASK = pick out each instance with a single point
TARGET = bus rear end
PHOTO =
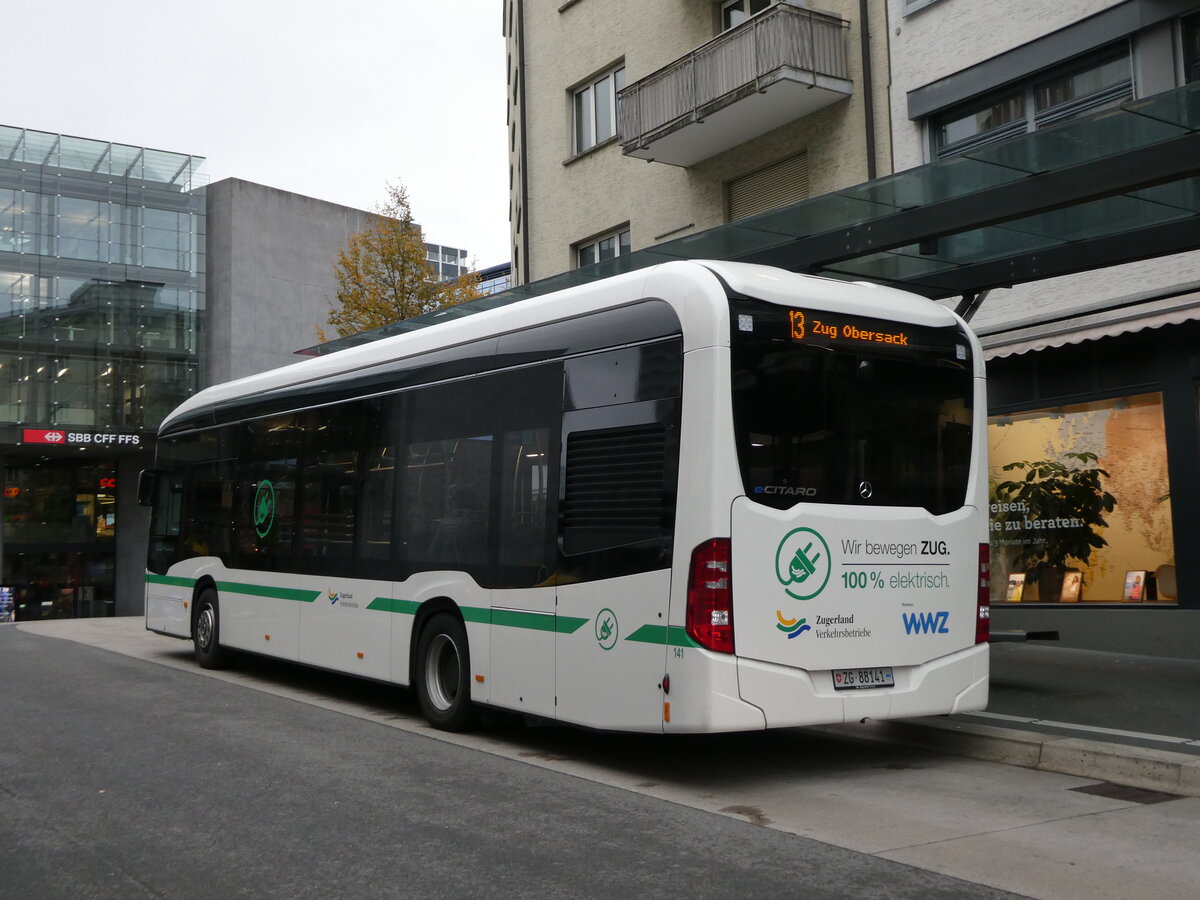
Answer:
(854, 581)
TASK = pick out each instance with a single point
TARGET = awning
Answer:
(1092, 326)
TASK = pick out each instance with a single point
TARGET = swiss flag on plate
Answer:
(837, 678)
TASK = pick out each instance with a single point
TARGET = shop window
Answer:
(1081, 504)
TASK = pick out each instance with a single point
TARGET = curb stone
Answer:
(1139, 767)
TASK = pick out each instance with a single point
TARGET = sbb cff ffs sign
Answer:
(80, 438)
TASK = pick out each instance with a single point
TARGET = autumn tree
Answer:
(383, 275)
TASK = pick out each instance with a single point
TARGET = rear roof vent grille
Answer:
(615, 494)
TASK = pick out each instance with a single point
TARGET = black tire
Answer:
(443, 674)
(206, 632)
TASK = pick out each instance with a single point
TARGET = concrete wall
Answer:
(270, 274)
(573, 199)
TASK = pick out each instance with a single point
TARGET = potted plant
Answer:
(1061, 504)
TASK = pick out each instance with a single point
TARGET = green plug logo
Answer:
(802, 566)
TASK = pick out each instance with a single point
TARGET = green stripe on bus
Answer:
(260, 590)
(506, 618)
(671, 635)
(476, 614)
(172, 580)
(392, 605)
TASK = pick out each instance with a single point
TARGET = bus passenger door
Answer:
(614, 580)
(523, 619)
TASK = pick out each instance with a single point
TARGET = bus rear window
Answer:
(844, 409)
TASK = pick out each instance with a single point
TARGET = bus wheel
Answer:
(443, 674)
(206, 632)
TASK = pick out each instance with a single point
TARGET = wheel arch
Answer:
(203, 583)
(425, 612)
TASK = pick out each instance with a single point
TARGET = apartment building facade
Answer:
(725, 109)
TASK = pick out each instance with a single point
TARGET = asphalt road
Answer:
(122, 778)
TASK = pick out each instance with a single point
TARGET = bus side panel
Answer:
(167, 606)
(522, 644)
(260, 611)
(345, 629)
(611, 649)
(705, 693)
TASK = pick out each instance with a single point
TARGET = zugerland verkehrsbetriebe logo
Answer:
(802, 563)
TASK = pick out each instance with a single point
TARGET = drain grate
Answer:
(1123, 792)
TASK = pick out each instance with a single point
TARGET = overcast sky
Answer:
(330, 99)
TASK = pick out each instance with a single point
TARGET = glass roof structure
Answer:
(178, 170)
(1110, 188)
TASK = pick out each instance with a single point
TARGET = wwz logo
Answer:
(802, 563)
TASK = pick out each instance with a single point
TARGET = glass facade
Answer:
(448, 262)
(1060, 535)
(102, 293)
(101, 281)
(60, 523)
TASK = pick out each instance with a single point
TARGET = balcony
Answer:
(781, 65)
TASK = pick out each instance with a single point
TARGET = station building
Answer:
(127, 284)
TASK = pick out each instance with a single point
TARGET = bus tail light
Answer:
(983, 605)
(710, 596)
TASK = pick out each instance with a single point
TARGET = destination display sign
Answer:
(756, 323)
(806, 326)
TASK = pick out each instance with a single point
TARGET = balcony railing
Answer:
(783, 45)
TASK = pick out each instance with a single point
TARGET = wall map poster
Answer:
(1126, 438)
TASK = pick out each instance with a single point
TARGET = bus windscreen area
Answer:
(848, 409)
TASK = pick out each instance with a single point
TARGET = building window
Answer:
(595, 109)
(1102, 81)
(1048, 543)
(735, 12)
(1191, 48)
(614, 244)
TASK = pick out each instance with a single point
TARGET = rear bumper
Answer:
(790, 697)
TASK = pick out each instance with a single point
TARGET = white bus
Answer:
(703, 496)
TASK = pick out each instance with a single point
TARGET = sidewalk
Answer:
(1131, 720)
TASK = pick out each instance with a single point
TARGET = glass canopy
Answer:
(41, 148)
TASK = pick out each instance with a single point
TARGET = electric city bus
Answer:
(699, 497)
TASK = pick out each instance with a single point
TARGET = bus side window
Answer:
(377, 491)
(446, 489)
(333, 441)
(524, 498)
